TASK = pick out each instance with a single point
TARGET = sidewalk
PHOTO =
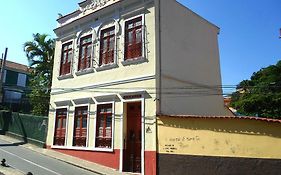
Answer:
(90, 166)
(9, 171)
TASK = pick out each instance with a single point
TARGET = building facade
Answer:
(14, 84)
(118, 65)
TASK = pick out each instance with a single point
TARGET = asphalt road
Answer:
(27, 160)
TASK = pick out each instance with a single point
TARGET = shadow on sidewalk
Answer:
(12, 144)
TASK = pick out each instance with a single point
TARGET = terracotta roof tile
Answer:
(224, 117)
(16, 66)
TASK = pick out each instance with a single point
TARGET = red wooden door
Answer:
(132, 151)
(59, 138)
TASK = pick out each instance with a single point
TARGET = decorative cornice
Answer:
(94, 4)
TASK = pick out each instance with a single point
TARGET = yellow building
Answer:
(120, 63)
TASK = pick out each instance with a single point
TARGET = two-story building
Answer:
(118, 65)
(14, 84)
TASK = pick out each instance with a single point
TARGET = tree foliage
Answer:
(261, 95)
(40, 53)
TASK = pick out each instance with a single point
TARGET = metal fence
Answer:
(29, 127)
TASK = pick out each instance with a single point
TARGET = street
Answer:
(27, 160)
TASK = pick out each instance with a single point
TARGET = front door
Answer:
(132, 150)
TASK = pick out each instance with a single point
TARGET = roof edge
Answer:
(196, 14)
(222, 117)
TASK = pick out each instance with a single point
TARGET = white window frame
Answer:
(84, 33)
(88, 121)
(66, 126)
(70, 74)
(124, 101)
(111, 65)
(112, 127)
(137, 59)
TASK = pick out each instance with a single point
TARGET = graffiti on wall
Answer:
(177, 143)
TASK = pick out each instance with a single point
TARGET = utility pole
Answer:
(2, 73)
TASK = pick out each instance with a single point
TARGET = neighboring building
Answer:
(227, 101)
(14, 84)
(118, 65)
(218, 145)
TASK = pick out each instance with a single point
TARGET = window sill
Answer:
(137, 60)
(107, 67)
(84, 71)
(83, 148)
(66, 76)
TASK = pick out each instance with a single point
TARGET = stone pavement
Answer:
(90, 166)
(9, 171)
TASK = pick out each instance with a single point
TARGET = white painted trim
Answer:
(83, 148)
(106, 67)
(81, 34)
(112, 126)
(105, 96)
(65, 39)
(54, 128)
(127, 62)
(112, 83)
(88, 124)
(88, 120)
(84, 32)
(82, 100)
(70, 74)
(136, 60)
(132, 92)
(62, 103)
(121, 138)
(66, 124)
(101, 27)
(93, 139)
(85, 71)
(142, 100)
(143, 136)
(66, 76)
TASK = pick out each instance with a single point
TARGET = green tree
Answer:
(261, 95)
(40, 55)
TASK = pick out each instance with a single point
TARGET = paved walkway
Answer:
(9, 171)
(90, 166)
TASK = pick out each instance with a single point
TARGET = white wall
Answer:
(189, 63)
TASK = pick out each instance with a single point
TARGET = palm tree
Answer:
(40, 55)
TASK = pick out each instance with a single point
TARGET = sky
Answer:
(248, 39)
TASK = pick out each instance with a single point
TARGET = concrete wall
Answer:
(218, 146)
(190, 65)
